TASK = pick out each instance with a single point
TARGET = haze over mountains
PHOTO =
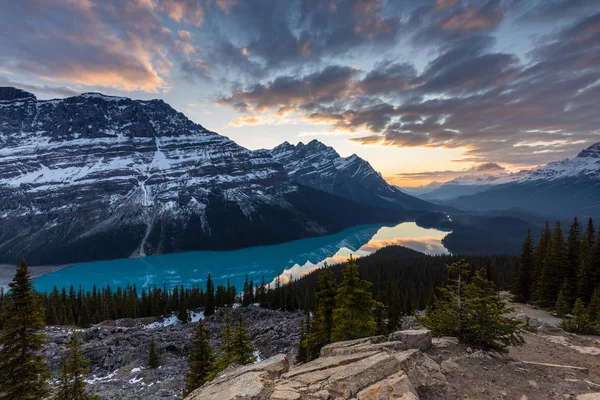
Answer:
(565, 188)
(94, 177)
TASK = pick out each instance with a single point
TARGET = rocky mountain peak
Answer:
(11, 93)
(321, 167)
(593, 151)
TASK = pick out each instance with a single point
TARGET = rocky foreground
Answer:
(118, 350)
(364, 369)
(410, 365)
(552, 364)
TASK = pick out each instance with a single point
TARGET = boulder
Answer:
(246, 385)
(408, 358)
(395, 387)
(330, 349)
(413, 339)
(284, 394)
(326, 363)
(273, 366)
(387, 347)
(449, 366)
(424, 372)
(352, 378)
(444, 342)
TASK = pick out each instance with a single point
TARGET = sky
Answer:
(425, 90)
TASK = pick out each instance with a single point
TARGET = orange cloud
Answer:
(250, 120)
(185, 35)
(180, 10)
(470, 20)
(225, 5)
(184, 47)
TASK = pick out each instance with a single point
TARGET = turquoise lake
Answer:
(291, 259)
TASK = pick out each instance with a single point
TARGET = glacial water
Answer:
(291, 259)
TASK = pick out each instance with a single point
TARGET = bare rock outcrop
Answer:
(365, 369)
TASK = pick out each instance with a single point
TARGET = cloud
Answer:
(323, 86)
(389, 77)
(467, 96)
(106, 44)
(188, 11)
(489, 102)
(483, 169)
(450, 21)
(488, 167)
(551, 10)
(61, 91)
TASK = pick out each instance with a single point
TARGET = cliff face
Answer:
(94, 177)
(321, 167)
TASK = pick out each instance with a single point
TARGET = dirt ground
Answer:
(480, 375)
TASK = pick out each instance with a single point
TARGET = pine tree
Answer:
(247, 293)
(472, 311)
(74, 367)
(261, 293)
(594, 308)
(302, 354)
(585, 284)
(485, 323)
(227, 351)
(580, 323)
(210, 298)
(562, 307)
(83, 321)
(353, 313)
(554, 273)
(540, 264)
(153, 356)
(321, 329)
(23, 369)
(595, 270)
(201, 361)
(522, 280)
(243, 351)
(573, 261)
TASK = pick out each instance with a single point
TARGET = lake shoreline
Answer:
(7, 272)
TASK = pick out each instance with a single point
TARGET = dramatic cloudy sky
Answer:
(423, 89)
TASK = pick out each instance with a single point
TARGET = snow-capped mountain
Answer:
(319, 166)
(95, 177)
(464, 185)
(565, 188)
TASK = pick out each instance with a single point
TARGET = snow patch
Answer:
(172, 320)
(97, 379)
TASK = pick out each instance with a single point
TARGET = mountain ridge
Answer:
(319, 166)
(95, 177)
(564, 188)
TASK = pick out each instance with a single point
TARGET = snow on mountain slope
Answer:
(321, 167)
(565, 188)
(95, 177)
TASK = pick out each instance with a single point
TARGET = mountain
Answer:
(96, 177)
(562, 189)
(463, 186)
(319, 166)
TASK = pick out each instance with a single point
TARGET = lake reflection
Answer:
(288, 259)
(407, 234)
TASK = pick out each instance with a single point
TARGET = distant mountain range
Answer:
(97, 177)
(562, 189)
